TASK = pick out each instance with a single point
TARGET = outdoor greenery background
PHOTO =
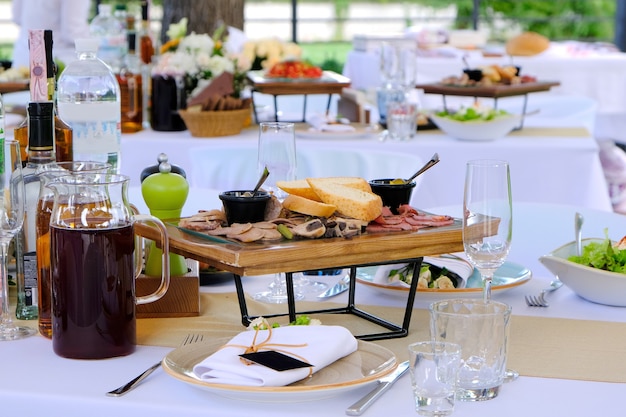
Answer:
(589, 20)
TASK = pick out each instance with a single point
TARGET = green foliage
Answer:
(555, 19)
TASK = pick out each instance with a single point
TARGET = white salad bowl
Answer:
(477, 130)
(593, 284)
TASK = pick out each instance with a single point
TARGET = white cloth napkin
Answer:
(321, 123)
(324, 345)
(382, 276)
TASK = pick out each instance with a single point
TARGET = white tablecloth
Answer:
(35, 378)
(556, 169)
(598, 77)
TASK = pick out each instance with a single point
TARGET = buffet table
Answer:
(559, 379)
(598, 77)
(559, 165)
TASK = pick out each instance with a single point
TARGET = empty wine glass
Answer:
(487, 217)
(12, 196)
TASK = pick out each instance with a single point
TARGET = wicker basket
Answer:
(206, 124)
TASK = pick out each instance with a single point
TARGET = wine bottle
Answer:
(146, 52)
(130, 81)
(43, 88)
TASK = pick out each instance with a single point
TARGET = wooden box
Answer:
(182, 299)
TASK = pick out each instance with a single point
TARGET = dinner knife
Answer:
(384, 384)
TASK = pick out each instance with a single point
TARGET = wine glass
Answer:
(12, 199)
(487, 217)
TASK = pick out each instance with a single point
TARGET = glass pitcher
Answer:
(94, 266)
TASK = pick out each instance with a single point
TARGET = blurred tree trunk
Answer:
(204, 15)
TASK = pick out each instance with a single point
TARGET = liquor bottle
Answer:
(89, 100)
(43, 71)
(130, 81)
(40, 153)
(146, 52)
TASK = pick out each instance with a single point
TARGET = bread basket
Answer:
(204, 124)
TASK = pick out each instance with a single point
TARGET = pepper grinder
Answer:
(165, 194)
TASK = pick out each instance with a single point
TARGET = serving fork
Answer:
(189, 339)
(540, 300)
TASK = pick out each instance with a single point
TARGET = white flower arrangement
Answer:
(199, 58)
(265, 53)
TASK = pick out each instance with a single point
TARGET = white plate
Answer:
(361, 130)
(509, 275)
(369, 363)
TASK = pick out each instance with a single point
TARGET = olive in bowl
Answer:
(241, 206)
(393, 192)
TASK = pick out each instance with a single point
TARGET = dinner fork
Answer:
(540, 300)
(118, 392)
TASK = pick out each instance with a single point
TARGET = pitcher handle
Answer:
(165, 259)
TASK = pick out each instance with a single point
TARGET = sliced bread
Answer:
(309, 207)
(302, 188)
(298, 187)
(351, 202)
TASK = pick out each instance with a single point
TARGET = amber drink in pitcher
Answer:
(94, 265)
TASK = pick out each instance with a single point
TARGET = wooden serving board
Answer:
(493, 91)
(329, 83)
(301, 255)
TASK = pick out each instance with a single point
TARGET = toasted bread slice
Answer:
(309, 207)
(298, 187)
(351, 202)
(302, 188)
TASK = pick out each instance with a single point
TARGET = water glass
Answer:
(401, 120)
(434, 367)
(384, 96)
(277, 152)
(482, 330)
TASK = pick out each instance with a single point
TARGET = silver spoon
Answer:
(433, 161)
(578, 224)
(258, 185)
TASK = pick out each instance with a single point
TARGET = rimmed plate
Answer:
(361, 130)
(509, 275)
(369, 363)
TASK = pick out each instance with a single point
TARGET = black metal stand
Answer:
(395, 330)
(275, 96)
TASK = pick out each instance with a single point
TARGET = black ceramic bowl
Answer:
(474, 74)
(242, 209)
(393, 195)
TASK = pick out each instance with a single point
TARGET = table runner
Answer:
(539, 347)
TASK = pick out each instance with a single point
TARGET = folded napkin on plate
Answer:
(383, 272)
(323, 346)
(323, 124)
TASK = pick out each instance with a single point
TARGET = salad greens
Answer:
(602, 255)
(465, 114)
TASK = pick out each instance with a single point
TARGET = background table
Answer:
(598, 77)
(551, 166)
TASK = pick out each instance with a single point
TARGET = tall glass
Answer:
(487, 217)
(12, 196)
(277, 152)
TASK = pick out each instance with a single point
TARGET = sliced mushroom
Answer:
(311, 229)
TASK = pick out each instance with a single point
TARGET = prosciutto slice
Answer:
(408, 218)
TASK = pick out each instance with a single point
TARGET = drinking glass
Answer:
(12, 199)
(277, 152)
(487, 217)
